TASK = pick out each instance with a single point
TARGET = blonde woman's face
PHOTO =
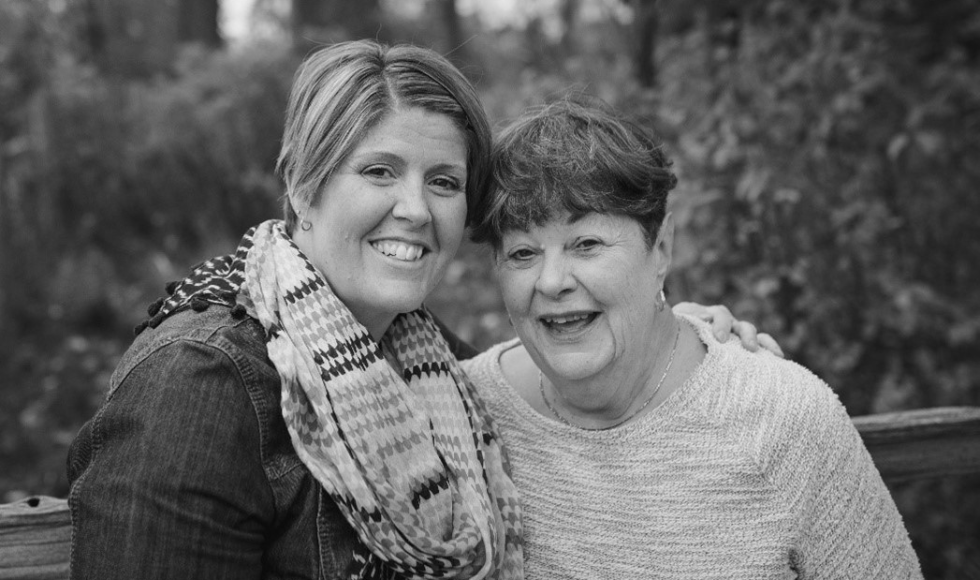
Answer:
(391, 218)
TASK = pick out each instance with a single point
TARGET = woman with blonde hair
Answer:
(313, 422)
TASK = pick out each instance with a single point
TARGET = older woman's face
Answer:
(390, 219)
(582, 295)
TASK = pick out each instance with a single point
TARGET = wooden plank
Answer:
(35, 539)
(937, 442)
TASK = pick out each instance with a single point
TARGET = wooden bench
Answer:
(939, 442)
(35, 533)
(35, 539)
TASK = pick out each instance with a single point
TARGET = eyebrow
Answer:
(376, 156)
(398, 161)
(451, 167)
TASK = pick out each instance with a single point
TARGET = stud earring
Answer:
(305, 225)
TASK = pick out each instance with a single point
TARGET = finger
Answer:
(748, 334)
(692, 309)
(769, 343)
(722, 322)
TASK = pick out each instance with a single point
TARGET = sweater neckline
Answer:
(652, 420)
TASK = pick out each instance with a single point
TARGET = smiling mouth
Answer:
(568, 323)
(400, 250)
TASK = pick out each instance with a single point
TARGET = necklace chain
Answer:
(656, 390)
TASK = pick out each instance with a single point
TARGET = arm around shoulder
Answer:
(172, 483)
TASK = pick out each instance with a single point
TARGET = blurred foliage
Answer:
(827, 193)
(108, 189)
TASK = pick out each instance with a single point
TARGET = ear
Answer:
(300, 206)
(663, 248)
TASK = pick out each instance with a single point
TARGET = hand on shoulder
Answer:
(724, 324)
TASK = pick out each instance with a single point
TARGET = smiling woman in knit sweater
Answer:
(644, 447)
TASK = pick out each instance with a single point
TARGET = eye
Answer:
(378, 172)
(588, 244)
(447, 184)
(520, 255)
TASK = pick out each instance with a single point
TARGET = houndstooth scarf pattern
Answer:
(413, 460)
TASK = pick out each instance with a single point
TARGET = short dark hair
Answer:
(343, 91)
(577, 155)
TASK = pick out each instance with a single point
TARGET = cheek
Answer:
(635, 311)
(513, 289)
(450, 219)
(335, 238)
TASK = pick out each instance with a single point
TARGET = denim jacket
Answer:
(187, 470)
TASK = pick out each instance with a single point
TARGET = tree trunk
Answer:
(453, 27)
(645, 25)
(569, 12)
(132, 38)
(197, 21)
(315, 22)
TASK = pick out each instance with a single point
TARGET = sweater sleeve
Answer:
(845, 523)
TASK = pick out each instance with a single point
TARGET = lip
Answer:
(566, 314)
(558, 334)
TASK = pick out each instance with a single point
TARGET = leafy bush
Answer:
(118, 187)
(828, 194)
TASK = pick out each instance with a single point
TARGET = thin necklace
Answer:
(561, 418)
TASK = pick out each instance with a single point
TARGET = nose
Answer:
(555, 279)
(412, 204)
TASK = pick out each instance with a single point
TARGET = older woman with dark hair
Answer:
(642, 446)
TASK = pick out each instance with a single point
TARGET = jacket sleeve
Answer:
(168, 480)
(847, 525)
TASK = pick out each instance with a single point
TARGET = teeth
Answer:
(400, 250)
(565, 319)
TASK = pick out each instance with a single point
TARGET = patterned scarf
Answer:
(413, 461)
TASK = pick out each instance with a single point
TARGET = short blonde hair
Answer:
(344, 90)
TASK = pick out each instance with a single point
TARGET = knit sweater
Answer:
(751, 470)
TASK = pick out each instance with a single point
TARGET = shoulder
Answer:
(238, 342)
(482, 364)
(778, 395)
(485, 372)
(795, 425)
(771, 403)
(200, 357)
(198, 379)
(790, 390)
(215, 325)
(755, 386)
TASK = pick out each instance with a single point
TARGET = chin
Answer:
(574, 367)
(399, 303)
